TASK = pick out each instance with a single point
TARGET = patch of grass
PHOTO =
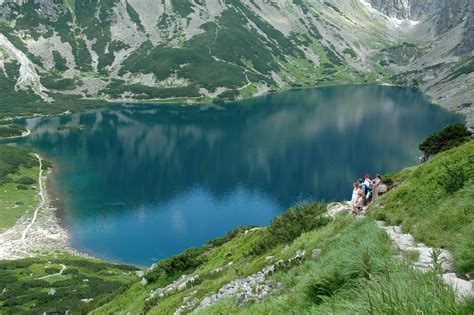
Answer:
(411, 255)
(59, 61)
(349, 51)
(55, 83)
(17, 172)
(291, 224)
(464, 67)
(13, 158)
(26, 180)
(171, 268)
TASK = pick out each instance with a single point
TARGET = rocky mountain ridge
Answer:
(408, 9)
(203, 50)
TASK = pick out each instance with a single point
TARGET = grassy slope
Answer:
(336, 282)
(424, 208)
(14, 202)
(355, 274)
(437, 214)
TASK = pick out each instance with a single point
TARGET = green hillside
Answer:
(18, 176)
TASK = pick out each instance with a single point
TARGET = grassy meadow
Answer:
(18, 184)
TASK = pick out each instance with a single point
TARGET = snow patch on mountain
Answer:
(392, 21)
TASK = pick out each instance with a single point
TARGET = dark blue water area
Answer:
(142, 183)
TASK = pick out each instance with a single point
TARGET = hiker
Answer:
(360, 182)
(359, 205)
(368, 187)
(377, 181)
(355, 196)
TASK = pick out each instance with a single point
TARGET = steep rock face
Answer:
(454, 13)
(447, 13)
(407, 9)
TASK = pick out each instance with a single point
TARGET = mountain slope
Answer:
(129, 50)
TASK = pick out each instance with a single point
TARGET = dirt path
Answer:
(24, 134)
(42, 199)
(63, 268)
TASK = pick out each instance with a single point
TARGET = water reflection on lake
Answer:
(145, 182)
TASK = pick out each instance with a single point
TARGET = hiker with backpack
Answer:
(366, 187)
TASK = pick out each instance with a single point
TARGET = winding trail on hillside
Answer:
(23, 135)
(42, 199)
(63, 268)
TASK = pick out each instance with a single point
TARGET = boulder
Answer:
(336, 208)
(462, 288)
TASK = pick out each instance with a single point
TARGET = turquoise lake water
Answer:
(142, 183)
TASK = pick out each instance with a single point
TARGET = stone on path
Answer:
(463, 288)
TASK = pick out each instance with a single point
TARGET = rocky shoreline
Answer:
(37, 233)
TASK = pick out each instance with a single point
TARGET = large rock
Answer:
(462, 287)
(336, 208)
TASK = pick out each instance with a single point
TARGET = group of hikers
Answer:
(364, 191)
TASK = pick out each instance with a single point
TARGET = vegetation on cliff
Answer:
(450, 137)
